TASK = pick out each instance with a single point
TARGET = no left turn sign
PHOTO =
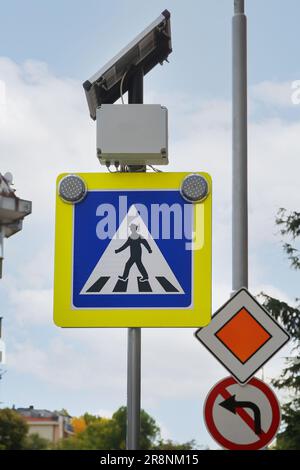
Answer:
(242, 417)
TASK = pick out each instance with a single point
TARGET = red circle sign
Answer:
(242, 417)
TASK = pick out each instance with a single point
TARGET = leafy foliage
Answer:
(110, 434)
(88, 418)
(78, 424)
(13, 430)
(287, 315)
(170, 445)
(100, 434)
(290, 226)
(35, 442)
(289, 438)
(149, 429)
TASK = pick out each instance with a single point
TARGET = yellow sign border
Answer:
(199, 314)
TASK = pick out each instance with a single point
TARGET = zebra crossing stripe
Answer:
(121, 286)
(166, 285)
(99, 284)
(144, 286)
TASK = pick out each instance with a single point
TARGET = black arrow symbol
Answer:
(231, 404)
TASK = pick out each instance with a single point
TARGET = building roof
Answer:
(46, 417)
(5, 187)
(33, 413)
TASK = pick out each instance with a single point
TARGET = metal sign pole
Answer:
(239, 154)
(135, 95)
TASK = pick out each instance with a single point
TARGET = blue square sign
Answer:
(154, 269)
(133, 252)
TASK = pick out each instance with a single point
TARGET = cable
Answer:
(108, 168)
(156, 170)
(113, 171)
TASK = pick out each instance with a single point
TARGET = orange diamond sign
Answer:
(242, 336)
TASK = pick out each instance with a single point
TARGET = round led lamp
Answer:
(72, 189)
(194, 188)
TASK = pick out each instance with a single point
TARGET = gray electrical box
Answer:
(133, 134)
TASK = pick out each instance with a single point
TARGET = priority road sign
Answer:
(242, 417)
(133, 253)
(242, 336)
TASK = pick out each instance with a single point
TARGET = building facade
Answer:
(50, 425)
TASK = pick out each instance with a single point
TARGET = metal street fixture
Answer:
(125, 72)
(194, 188)
(72, 189)
(151, 47)
(239, 148)
(12, 212)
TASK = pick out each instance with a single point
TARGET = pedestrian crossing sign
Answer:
(132, 253)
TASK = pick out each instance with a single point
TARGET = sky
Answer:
(47, 50)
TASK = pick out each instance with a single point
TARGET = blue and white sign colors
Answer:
(133, 252)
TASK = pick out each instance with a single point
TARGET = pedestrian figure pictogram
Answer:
(135, 242)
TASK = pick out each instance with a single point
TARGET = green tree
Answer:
(149, 429)
(35, 442)
(100, 434)
(88, 418)
(110, 434)
(289, 437)
(13, 430)
(171, 445)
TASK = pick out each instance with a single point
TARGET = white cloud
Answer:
(46, 131)
(275, 94)
(32, 306)
(103, 413)
(68, 365)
